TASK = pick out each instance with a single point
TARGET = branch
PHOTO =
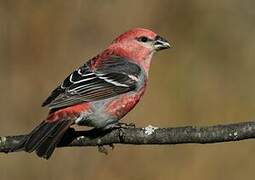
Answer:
(149, 135)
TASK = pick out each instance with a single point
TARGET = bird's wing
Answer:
(112, 76)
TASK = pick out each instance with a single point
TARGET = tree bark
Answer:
(147, 136)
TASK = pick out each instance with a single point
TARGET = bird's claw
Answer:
(119, 125)
(132, 125)
(125, 125)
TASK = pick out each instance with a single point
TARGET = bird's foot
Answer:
(119, 125)
(124, 125)
(129, 125)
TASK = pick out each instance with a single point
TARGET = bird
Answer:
(100, 92)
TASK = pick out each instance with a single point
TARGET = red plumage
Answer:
(100, 92)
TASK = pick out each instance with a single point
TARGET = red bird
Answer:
(100, 92)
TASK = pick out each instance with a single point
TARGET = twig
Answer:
(149, 135)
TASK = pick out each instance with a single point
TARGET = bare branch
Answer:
(149, 135)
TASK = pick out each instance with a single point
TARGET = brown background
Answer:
(208, 78)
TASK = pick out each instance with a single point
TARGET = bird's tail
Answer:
(45, 137)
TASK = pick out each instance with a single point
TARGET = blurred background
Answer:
(207, 79)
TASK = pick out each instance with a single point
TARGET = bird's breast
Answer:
(121, 105)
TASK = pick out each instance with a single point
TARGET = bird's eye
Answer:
(143, 39)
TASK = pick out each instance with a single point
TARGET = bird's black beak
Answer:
(161, 43)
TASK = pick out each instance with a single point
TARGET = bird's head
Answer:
(139, 45)
(139, 39)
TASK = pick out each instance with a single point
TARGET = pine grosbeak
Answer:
(100, 92)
